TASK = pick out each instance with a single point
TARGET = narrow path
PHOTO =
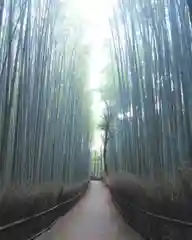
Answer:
(93, 218)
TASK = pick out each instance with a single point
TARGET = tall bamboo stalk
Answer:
(151, 55)
(44, 130)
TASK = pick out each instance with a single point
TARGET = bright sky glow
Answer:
(95, 14)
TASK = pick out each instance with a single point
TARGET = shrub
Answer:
(172, 200)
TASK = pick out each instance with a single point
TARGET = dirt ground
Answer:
(93, 218)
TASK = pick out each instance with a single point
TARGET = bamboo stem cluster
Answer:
(44, 127)
(151, 56)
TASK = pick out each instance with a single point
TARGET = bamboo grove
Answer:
(44, 127)
(150, 88)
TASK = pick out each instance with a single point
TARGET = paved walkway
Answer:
(93, 218)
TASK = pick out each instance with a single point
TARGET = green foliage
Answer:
(96, 164)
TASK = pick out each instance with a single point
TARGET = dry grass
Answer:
(29, 201)
(17, 203)
(160, 197)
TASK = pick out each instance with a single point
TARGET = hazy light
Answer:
(126, 115)
(120, 116)
(94, 15)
